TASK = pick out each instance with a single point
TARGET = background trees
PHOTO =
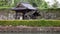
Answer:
(55, 5)
(40, 4)
(5, 2)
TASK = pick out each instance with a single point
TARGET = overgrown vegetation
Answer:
(6, 4)
(35, 23)
(37, 3)
(40, 4)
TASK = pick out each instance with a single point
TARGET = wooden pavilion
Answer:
(24, 11)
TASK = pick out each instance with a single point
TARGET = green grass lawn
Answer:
(5, 7)
(34, 23)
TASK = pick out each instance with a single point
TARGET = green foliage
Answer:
(5, 2)
(36, 3)
(38, 23)
(55, 5)
(41, 4)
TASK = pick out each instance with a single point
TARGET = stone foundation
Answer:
(28, 29)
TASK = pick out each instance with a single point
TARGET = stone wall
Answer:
(10, 15)
(28, 29)
(52, 14)
(7, 15)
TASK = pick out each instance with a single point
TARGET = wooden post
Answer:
(16, 15)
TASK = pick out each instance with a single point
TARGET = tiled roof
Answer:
(24, 6)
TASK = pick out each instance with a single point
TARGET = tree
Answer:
(36, 3)
(55, 5)
(41, 4)
(44, 5)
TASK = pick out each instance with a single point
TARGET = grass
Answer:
(34, 23)
(5, 7)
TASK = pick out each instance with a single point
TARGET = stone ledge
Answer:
(28, 29)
